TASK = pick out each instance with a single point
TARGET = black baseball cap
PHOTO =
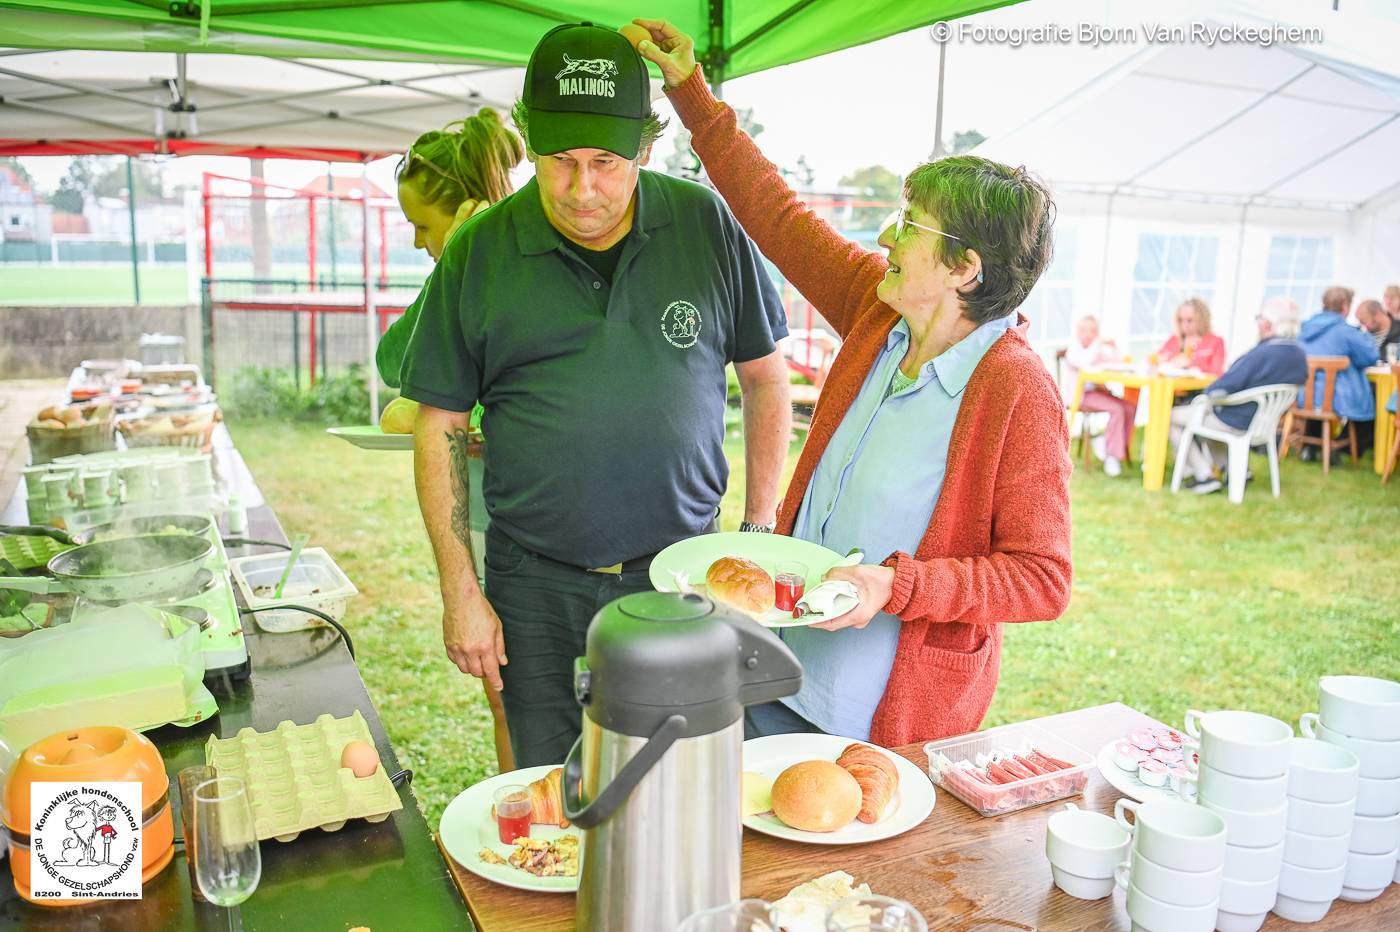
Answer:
(586, 88)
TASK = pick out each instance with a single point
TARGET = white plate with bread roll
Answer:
(825, 792)
(749, 588)
(469, 833)
(372, 437)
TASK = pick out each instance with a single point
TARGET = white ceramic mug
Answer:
(1254, 863)
(1243, 744)
(1325, 819)
(1184, 888)
(1316, 852)
(1367, 872)
(1379, 759)
(1377, 796)
(1149, 912)
(1226, 921)
(1360, 706)
(1375, 834)
(1321, 772)
(1248, 897)
(1251, 829)
(1303, 911)
(1085, 844)
(1175, 834)
(1242, 793)
(1305, 895)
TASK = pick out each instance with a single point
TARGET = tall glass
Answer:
(874, 914)
(228, 863)
(743, 916)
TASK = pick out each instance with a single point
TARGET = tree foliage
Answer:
(876, 183)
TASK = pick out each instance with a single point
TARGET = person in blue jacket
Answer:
(1327, 333)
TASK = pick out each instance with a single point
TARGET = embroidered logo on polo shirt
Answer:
(680, 324)
(597, 71)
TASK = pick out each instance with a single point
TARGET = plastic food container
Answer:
(1001, 798)
(316, 582)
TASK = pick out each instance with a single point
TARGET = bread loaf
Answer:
(742, 584)
(816, 796)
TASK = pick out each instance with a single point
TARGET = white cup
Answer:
(1152, 913)
(1296, 910)
(1178, 835)
(1316, 852)
(1309, 885)
(1322, 772)
(1248, 898)
(1243, 793)
(1081, 888)
(1184, 888)
(1254, 863)
(1226, 921)
(1367, 872)
(1325, 819)
(1375, 834)
(1360, 706)
(1085, 844)
(1244, 744)
(1377, 796)
(1252, 829)
(1379, 759)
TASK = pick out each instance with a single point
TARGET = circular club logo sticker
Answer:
(680, 324)
(86, 841)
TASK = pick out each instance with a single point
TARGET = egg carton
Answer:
(294, 778)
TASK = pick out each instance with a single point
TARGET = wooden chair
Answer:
(1395, 444)
(1319, 410)
(1086, 434)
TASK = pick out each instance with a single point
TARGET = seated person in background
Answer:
(1391, 300)
(1193, 346)
(1276, 359)
(1086, 351)
(1383, 329)
(1327, 333)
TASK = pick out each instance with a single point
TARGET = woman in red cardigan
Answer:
(939, 444)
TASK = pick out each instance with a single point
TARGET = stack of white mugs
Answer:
(1174, 867)
(1362, 715)
(1321, 797)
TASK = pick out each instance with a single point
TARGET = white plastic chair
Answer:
(1272, 400)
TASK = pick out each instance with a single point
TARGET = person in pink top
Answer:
(1193, 346)
(1087, 351)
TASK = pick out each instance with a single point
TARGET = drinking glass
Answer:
(513, 813)
(874, 914)
(227, 862)
(789, 582)
(1392, 353)
(743, 916)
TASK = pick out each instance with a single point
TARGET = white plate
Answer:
(694, 555)
(370, 437)
(770, 756)
(1128, 783)
(467, 827)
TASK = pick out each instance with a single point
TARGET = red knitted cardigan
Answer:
(998, 546)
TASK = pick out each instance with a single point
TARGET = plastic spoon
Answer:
(298, 543)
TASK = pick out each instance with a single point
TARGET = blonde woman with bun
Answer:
(446, 177)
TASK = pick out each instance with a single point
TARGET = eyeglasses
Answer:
(902, 221)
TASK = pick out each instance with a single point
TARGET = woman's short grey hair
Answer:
(652, 128)
(1282, 314)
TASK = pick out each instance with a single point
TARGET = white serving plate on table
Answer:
(370, 437)
(1128, 783)
(771, 755)
(467, 827)
(694, 555)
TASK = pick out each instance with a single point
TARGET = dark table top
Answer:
(384, 876)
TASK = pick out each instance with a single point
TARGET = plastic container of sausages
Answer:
(1008, 768)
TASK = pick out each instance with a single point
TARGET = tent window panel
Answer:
(1169, 269)
(1300, 268)
(1050, 305)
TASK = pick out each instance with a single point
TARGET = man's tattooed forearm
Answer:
(461, 486)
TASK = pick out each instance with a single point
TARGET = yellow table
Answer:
(1384, 381)
(1161, 391)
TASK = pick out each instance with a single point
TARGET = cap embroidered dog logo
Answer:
(597, 83)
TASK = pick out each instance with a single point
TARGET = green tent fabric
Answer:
(733, 38)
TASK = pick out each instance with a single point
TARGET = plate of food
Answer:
(1144, 764)
(830, 790)
(372, 437)
(749, 572)
(547, 860)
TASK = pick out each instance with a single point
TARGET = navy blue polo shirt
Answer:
(604, 401)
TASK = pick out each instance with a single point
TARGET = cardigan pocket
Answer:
(961, 682)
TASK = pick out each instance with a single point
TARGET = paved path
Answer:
(18, 401)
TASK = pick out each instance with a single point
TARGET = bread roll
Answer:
(816, 796)
(740, 583)
(398, 417)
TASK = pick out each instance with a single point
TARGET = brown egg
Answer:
(634, 34)
(361, 758)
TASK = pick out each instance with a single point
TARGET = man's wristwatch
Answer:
(757, 528)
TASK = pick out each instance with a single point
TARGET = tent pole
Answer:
(1239, 267)
(371, 330)
(1103, 264)
(938, 109)
(717, 57)
(131, 216)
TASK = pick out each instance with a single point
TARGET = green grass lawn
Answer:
(90, 284)
(1179, 601)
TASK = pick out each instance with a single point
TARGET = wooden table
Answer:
(1161, 392)
(1383, 378)
(963, 872)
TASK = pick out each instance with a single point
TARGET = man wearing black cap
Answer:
(592, 314)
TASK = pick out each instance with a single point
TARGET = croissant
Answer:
(877, 776)
(546, 800)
